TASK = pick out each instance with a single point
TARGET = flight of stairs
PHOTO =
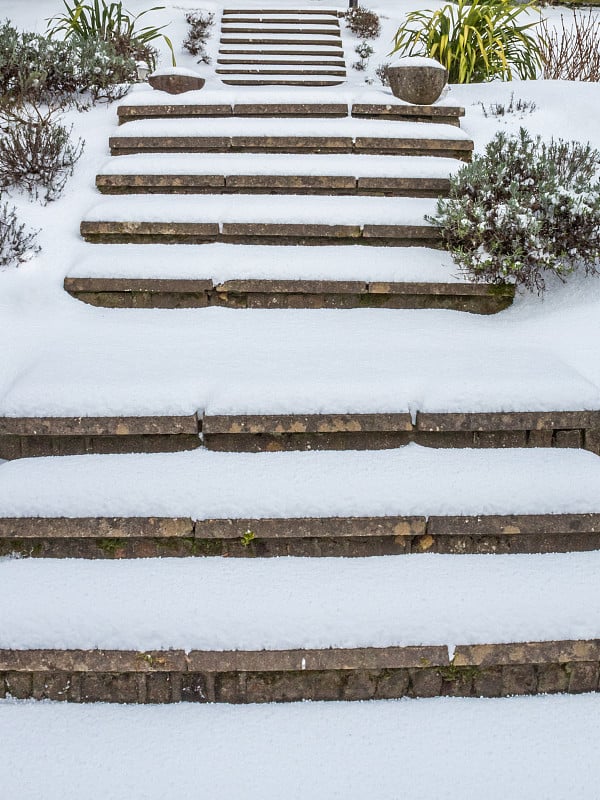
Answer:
(281, 48)
(284, 177)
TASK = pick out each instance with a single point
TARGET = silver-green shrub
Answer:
(524, 209)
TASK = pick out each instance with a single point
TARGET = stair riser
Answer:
(275, 82)
(330, 547)
(131, 146)
(475, 305)
(283, 72)
(253, 184)
(12, 447)
(369, 674)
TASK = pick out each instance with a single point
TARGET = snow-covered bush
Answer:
(476, 40)
(40, 70)
(523, 209)
(38, 156)
(363, 23)
(200, 23)
(16, 243)
(364, 51)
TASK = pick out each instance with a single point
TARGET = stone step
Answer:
(289, 174)
(294, 30)
(267, 61)
(241, 81)
(327, 71)
(439, 114)
(21, 437)
(312, 537)
(289, 50)
(173, 676)
(300, 41)
(344, 135)
(267, 12)
(42, 436)
(156, 293)
(232, 19)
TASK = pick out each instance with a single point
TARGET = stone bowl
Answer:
(419, 84)
(176, 84)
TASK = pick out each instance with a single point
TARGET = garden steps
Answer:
(301, 135)
(174, 676)
(288, 174)
(440, 114)
(42, 436)
(306, 32)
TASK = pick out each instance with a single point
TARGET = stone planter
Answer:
(417, 80)
(176, 81)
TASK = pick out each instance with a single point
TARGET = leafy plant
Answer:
(523, 209)
(476, 40)
(100, 20)
(363, 23)
(198, 34)
(16, 243)
(571, 53)
(382, 73)
(52, 74)
(364, 51)
(247, 538)
(38, 156)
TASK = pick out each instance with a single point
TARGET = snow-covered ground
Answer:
(528, 748)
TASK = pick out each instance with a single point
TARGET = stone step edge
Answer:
(230, 528)
(76, 284)
(164, 676)
(125, 112)
(276, 82)
(205, 183)
(538, 422)
(329, 12)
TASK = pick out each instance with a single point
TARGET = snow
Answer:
(285, 164)
(416, 61)
(290, 209)
(247, 126)
(182, 71)
(431, 749)
(292, 603)
(201, 484)
(223, 262)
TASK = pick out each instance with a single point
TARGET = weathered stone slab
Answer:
(284, 286)
(455, 289)
(414, 187)
(132, 184)
(93, 661)
(304, 423)
(409, 232)
(291, 183)
(129, 112)
(290, 109)
(514, 525)
(155, 285)
(407, 111)
(97, 426)
(557, 652)
(308, 527)
(304, 231)
(291, 144)
(94, 527)
(150, 231)
(498, 421)
(168, 144)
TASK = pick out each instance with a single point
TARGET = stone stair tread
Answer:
(319, 128)
(301, 603)
(241, 80)
(512, 485)
(224, 262)
(309, 164)
(220, 210)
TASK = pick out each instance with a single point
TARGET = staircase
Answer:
(277, 186)
(281, 48)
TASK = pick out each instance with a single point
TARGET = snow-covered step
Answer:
(145, 105)
(280, 135)
(243, 432)
(312, 749)
(318, 629)
(411, 500)
(241, 79)
(412, 176)
(260, 30)
(262, 219)
(269, 12)
(291, 70)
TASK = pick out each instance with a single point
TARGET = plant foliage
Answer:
(110, 22)
(571, 52)
(524, 209)
(16, 243)
(476, 40)
(200, 23)
(363, 23)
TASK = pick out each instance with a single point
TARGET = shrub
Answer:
(38, 156)
(522, 209)
(571, 53)
(36, 69)
(476, 40)
(363, 23)
(513, 106)
(382, 74)
(99, 21)
(198, 34)
(16, 243)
